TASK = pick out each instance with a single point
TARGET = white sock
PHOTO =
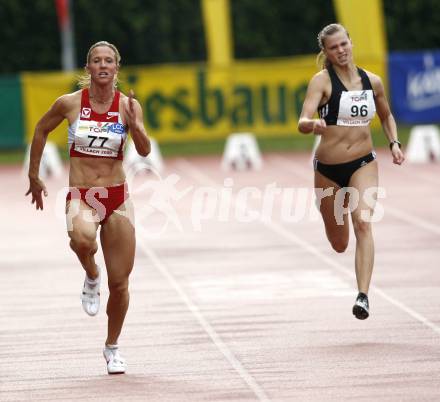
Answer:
(112, 347)
(92, 282)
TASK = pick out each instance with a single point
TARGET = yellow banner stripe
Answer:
(217, 25)
(364, 21)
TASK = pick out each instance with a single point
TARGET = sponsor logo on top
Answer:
(86, 112)
(112, 114)
(117, 128)
(358, 98)
(100, 127)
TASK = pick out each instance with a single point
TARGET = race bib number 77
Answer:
(100, 139)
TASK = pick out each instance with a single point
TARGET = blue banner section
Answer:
(415, 86)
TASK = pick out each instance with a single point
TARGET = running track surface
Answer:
(226, 310)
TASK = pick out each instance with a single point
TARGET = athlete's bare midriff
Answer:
(86, 172)
(342, 144)
(95, 172)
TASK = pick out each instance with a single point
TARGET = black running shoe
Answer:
(361, 309)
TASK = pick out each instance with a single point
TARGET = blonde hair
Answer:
(84, 79)
(321, 59)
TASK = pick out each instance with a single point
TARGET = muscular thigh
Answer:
(331, 201)
(365, 181)
(80, 220)
(118, 242)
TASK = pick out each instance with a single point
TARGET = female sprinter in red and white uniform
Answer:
(347, 98)
(99, 118)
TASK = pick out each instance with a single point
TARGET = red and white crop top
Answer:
(97, 135)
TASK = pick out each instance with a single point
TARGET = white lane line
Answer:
(391, 210)
(415, 175)
(413, 220)
(218, 342)
(203, 178)
(298, 170)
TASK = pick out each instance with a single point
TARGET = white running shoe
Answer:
(90, 294)
(115, 363)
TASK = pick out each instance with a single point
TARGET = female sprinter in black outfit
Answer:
(347, 98)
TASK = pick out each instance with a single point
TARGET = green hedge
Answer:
(158, 31)
(412, 24)
(264, 28)
(153, 31)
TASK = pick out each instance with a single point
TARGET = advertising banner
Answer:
(40, 90)
(415, 86)
(11, 130)
(195, 102)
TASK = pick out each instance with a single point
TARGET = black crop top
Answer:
(348, 108)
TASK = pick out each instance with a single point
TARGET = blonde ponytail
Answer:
(321, 60)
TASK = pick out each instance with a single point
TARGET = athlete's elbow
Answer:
(41, 131)
(143, 152)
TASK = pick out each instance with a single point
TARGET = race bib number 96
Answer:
(356, 108)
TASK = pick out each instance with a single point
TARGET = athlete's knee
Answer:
(82, 243)
(118, 288)
(339, 245)
(361, 227)
(338, 240)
